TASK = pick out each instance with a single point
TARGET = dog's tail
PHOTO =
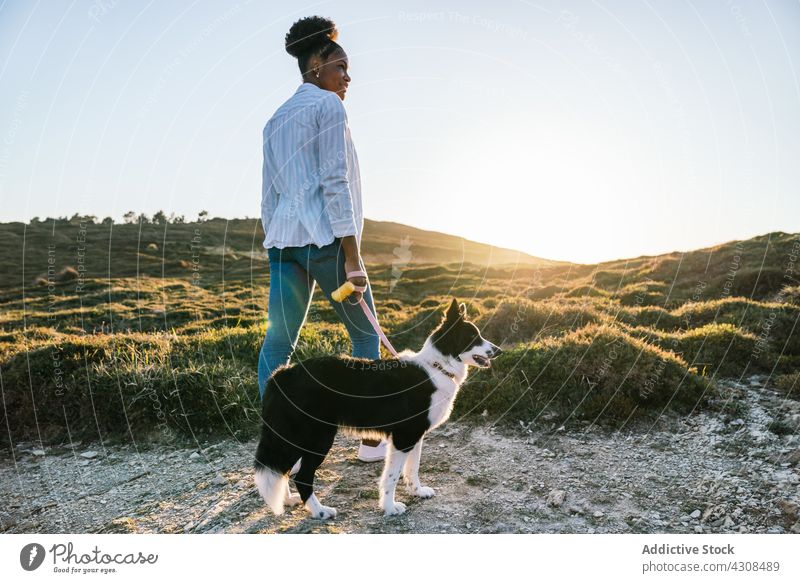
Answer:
(272, 487)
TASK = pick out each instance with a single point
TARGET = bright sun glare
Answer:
(554, 190)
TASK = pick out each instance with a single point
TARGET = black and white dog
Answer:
(399, 399)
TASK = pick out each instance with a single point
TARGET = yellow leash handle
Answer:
(348, 287)
(343, 291)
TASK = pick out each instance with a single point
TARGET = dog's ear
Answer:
(453, 312)
(462, 309)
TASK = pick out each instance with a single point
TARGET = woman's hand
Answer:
(355, 265)
(352, 262)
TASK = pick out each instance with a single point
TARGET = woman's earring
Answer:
(317, 73)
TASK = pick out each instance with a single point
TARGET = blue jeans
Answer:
(294, 271)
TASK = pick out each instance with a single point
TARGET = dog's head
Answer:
(460, 339)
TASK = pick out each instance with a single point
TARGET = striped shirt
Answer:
(311, 185)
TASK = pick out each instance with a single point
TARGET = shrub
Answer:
(594, 372)
(585, 291)
(716, 349)
(522, 320)
(645, 293)
(776, 323)
(127, 383)
(789, 384)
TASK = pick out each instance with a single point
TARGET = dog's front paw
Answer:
(394, 508)
(324, 513)
(423, 492)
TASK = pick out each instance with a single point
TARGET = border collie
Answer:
(399, 399)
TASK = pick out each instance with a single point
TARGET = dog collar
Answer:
(435, 364)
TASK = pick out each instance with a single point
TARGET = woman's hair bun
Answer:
(308, 33)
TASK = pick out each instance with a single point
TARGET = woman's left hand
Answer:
(355, 265)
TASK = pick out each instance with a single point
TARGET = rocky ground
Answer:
(733, 468)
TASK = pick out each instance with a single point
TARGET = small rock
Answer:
(698, 528)
(795, 527)
(743, 528)
(194, 455)
(555, 498)
(713, 513)
(695, 514)
(598, 514)
(485, 413)
(728, 522)
(188, 527)
(37, 452)
(89, 455)
(788, 508)
(219, 480)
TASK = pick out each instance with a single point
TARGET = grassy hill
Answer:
(117, 330)
(213, 250)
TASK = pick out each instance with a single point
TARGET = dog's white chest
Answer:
(442, 400)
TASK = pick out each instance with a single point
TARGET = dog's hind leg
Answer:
(291, 499)
(304, 480)
(411, 473)
(395, 459)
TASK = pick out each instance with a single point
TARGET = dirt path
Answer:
(711, 472)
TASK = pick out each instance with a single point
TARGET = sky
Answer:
(579, 131)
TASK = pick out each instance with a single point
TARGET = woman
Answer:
(311, 204)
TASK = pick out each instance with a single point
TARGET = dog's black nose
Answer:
(496, 351)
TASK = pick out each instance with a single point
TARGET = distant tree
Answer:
(35, 220)
(177, 219)
(202, 216)
(144, 219)
(129, 218)
(108, 221)
(160, 218)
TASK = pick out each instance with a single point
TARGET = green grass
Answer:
(142, 345)
(597, 372)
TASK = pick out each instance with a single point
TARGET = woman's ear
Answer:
(314, 65)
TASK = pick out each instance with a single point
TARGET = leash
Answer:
(344, 291)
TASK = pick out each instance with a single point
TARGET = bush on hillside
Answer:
(121, 383)
(597, 372)
(522, 320)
